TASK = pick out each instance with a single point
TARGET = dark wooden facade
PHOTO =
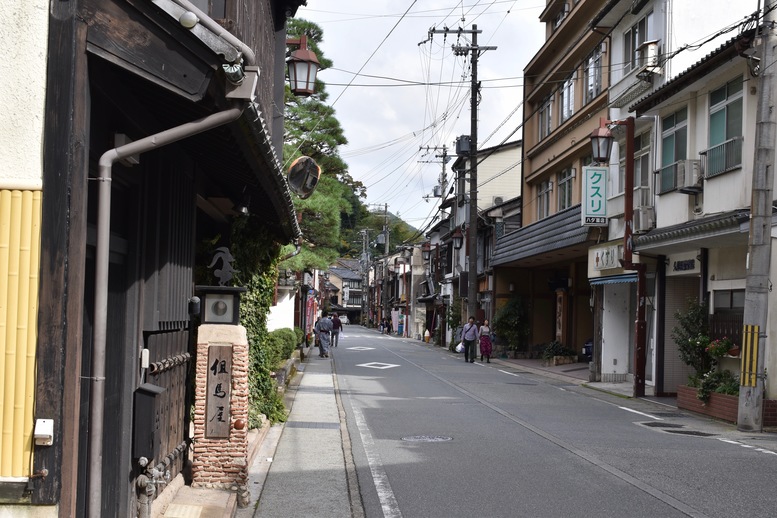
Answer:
(127, 67)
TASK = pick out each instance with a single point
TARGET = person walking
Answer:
(337, 326)
(485, 342)
(469, 336)
(323, 330)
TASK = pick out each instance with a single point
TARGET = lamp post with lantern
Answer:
(303, 66)
(601, 142)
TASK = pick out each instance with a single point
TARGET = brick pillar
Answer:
(220, 430)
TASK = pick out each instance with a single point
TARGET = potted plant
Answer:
(720, 347)
(511, 324)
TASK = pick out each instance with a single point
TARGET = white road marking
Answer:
(377, 365)
(640, 413)
(385, 494)
(361, 348)
(510, 373)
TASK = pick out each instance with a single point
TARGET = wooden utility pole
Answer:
(757, 287)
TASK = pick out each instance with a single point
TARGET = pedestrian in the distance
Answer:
(485, 342)
(323, 330)
(469, 337)
(337, 326)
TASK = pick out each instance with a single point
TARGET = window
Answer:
(674, 148)
(559, 16)
(638, 34)
(725, 152)
(592, 76)
(565, 188)
(543, 199)
(216, 9)
(545, 117)
(728, 299)
(567, 97)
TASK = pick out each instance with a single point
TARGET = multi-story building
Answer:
(683, 143)
(545, 262)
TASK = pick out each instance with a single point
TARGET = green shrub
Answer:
(556, 348)
(300, 335)
(691, 334)
(511, 323)
(722, 382)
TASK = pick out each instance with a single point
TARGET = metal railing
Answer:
(722, 158)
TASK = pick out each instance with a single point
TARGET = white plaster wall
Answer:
(499, 175)
(616, 329)
(24, 38)
(282, 314)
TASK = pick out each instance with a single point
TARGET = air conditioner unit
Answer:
(647, 59)
(689, 177)
(644, 219)
(498, 200)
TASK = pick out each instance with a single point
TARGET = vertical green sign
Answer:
(594, 212)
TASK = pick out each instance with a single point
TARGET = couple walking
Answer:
(474, 334)
(327, 329)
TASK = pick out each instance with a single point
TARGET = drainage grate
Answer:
(655, 424)
(427, 438)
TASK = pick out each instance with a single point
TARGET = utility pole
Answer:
(364, 265)
(472, 229)
(757, 286)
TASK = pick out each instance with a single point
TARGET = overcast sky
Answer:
(414, 93)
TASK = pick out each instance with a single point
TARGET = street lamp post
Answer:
(601, 141)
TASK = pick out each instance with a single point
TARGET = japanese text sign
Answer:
(594, 211)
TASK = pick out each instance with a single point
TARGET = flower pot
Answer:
(734, 351)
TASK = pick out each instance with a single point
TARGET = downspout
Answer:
(158, 140)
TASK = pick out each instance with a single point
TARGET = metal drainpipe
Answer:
(97, 400)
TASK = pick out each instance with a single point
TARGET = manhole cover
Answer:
(653, 424)
(427, 438)
(691, 432)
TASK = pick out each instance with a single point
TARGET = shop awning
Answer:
(614, 279)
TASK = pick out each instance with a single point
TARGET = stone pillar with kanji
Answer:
(221, 410)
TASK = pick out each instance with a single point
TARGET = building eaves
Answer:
(711, 226)
(553, 233)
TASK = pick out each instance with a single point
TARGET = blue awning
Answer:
(614, 279)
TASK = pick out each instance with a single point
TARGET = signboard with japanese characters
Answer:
(219, 387)
(594, 210)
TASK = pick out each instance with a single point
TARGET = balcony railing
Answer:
(722, 158)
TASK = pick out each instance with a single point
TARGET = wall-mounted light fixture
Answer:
(426, 251)
(458, 238)
(303, 66)
(220, 304)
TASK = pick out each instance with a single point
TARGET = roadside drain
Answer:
(675, 428)
(654, 424)
(427, 438)
(691, 432)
